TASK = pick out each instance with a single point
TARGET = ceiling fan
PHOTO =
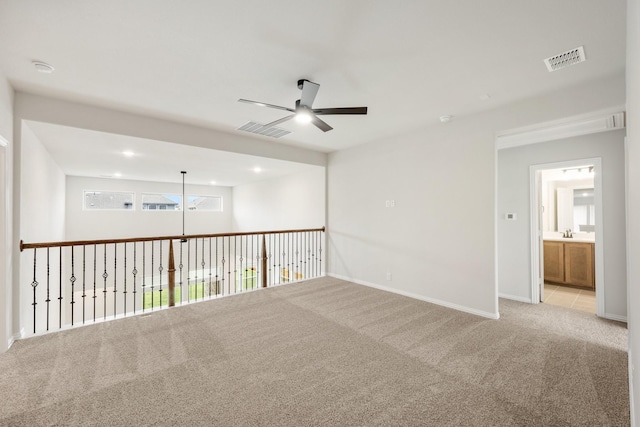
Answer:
(304, 111)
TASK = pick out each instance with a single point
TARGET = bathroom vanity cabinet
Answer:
(569, 263)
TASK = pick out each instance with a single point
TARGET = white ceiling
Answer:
(81, 152)
(408, 61)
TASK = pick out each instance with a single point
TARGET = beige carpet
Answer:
(323, 352)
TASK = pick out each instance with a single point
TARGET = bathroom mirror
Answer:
(568, 199)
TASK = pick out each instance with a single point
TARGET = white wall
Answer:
(514, 242)
(42, 192)
(6, 206)
(284, 203)
(42, 215)
(633, 200)
(438, 243)
(83, 224)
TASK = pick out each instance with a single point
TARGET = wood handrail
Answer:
(24, 246)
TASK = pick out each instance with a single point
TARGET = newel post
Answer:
(264, 262)
(172, 276)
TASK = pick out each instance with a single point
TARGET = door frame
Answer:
(537, 254)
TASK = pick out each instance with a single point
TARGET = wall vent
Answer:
(258, 128)
(565, 59)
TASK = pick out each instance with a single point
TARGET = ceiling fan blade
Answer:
(323, 126)
(309, 92)
(347, 110)
(262, 104)
(277, 122)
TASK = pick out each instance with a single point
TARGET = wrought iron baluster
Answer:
(72, 279)
(95, 275)
(84, 281)
(290, 252)
(320, 255)
(222, 270)
(283, 265)
(270, 257)
(160, 274)
(229, 266)
(144, 276)
(296, 241)
(115, 279)
(48, 300)
(104, 290)
(210, 267)
(60, 291)
(188, 271)
(34, 285)
(236, 275)
(195, 269)
(235, 262)
(202, 264)
(152, 275)
(135, 273)
(313, 253)
(180, 266)
(124, 276)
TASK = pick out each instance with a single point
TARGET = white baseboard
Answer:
(15, 337)
(515, 298)
(615, 317)
(631, 399)
(419, 297)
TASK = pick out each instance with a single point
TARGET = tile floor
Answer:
(563, 296)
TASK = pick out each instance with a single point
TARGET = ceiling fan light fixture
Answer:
(303, 117)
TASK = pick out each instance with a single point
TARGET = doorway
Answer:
(566, 212)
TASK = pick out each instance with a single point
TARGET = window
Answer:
(108, 200)
(161, 202)
(205, 203)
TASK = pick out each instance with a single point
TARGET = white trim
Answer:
(419, 297)
(535, 225)
(3, 141)
(630, 370)
(583, 124)
(515, 298)
(615, 317)
(15, 337)
(599, 228)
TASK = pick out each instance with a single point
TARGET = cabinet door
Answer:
(578, 264)
(554, 262)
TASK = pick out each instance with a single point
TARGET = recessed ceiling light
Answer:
(257, 170)
(128, 153)
(445, 119)
(43, 67)
(212, 183)
(117, 174)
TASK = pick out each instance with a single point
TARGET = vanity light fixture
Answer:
(579, 170)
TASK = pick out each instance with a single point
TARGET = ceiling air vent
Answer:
(258, 128)
(565, 59)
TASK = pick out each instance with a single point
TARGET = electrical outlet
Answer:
(389, 276)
